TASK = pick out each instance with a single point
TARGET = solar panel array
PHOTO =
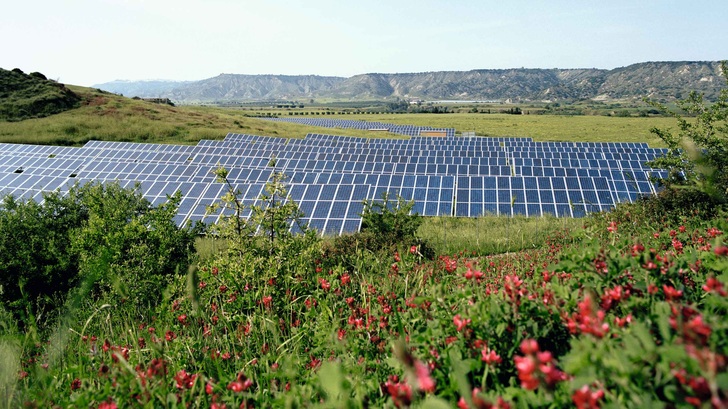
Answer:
(329, 176)
(407, 130)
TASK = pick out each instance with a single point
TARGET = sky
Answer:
(87, 42)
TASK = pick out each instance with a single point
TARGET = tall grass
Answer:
(488, 235)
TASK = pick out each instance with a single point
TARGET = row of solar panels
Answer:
(408, 130)
(330, 188)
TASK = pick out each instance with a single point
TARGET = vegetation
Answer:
(698, 153)
(24, 96)
(626, 310)
(104, 241)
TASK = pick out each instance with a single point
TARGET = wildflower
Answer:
(424, 380)
(460, 323)
(107, 404)
(537, 366)
(184, 380)
(671, 293)
(721, 251)
(489, 356)
(585, 398)
(399, 391)
(612, 228)
(713, 285)
(241, 384)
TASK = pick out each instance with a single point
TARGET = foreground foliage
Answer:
(631, 316)
(105, 242)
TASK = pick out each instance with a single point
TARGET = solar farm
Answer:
(330, 176)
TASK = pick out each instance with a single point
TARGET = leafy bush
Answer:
(111, 239)
(698, 153)
(387, 225)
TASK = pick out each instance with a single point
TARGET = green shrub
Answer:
(698, 153)
(111, 239)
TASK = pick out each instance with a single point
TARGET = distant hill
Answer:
(657, 80)
(24, 96)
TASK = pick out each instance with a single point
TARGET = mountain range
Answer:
(656, 80)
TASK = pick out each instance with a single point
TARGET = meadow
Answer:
(108, 304)
(105, 116)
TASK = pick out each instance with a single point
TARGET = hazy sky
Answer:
(86, 42)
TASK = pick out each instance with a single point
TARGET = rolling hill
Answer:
(657, 80)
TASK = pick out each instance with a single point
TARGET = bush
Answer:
(387, 226)
(698, 153)
(111, 239)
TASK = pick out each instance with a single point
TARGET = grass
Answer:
(539, 127)
(487, 235)
(110, 117)
(106, 116)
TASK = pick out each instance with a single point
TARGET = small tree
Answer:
(698, 154)
(266, 233)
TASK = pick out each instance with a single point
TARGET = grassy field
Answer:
(105, 116)
(539, 127)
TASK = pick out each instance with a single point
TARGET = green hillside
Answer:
(24, 96)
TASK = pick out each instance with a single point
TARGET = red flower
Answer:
(169, 335)
(529, 346)
(585, 398)
(242, 384)
(712, 284)
(612, 227)
(184, 380)
(345, 279)
(108, 404)
(721, 250)
(671, 293)
(489, 356)
(400, 392)
(460, 323)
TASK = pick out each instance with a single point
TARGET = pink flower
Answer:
(460, 323)
(489, 356)
(612, 227)
(424, 380)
